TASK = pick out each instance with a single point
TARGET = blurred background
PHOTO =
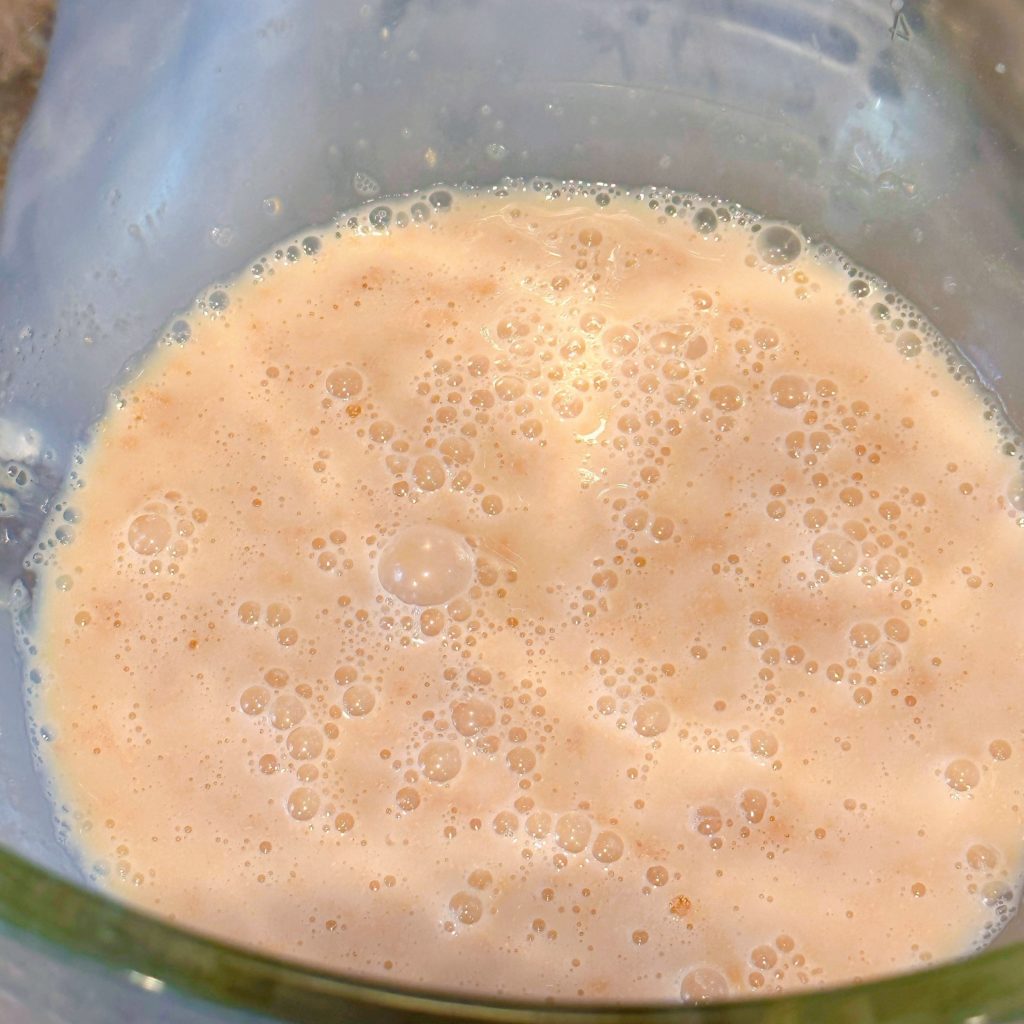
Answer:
(25, 27)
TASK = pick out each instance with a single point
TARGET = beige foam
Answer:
(725, 684)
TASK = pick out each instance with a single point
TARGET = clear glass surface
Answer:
(172, 143)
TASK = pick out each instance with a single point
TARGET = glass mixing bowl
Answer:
(174, 142)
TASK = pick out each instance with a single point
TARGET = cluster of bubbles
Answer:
(636, 392)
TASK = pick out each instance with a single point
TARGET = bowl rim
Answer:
(92, 932)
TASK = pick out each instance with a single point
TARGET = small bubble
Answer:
(707, 820)
(466, 908)
(380, 217)
(254, 700)
(304, 743)
(763, 744)
(286, 712)
(962, 775)
(789, 391)
(407, 799)
(651, 718)
(249, 612)
(835, 552)
(657, 875)
(440, 761)
(705, 221)
(303, 803)
(703, 985)
(982, 858)
(346, 383)
(778, 245)
(607, 848)
(149, 534)
(1000, 750)
(753, 804)
(358, 700)
(572, 832)
(180, 331)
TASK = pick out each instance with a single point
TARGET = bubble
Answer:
(407, 799)
(1015, 494)
(764, 958)
(344, 822)
(753, 804)
(726, 397)
(662, 528)
(254, 699)
(181, 331)
(466, 908)
(996, 894)
(1000, 750)
(429, 473)
(491, 504)
(962, 775)
(908, 343)
(304, 743)
(346, 383)
(218, 301)
(634, 519)
(505, 824)
(884, 657)
(286, 712)
(620, 341)
(380, 217)
(472, 717)
(707, 820)
(835, 552)
(278, 614)
(703, 985)
(897, 630)
(705, 221)
(778, 245)
(864, 634)
(303, 803)
(607, 848)
(657, 875)
(426, 565)
(538, 825)
(982, 857)
(431, 621)
(789, 391)
(440, 761)
(521, 760)
(358, 700)
(481, 878)
(149, 534)
(889, 511)
(457, 450)
(249, 612)
(763, 744)
(651, 718)
(572, 831)
(567, 405)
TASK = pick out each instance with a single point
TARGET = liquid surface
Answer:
(547, 598)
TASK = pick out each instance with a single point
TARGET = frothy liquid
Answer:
(549, 598)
